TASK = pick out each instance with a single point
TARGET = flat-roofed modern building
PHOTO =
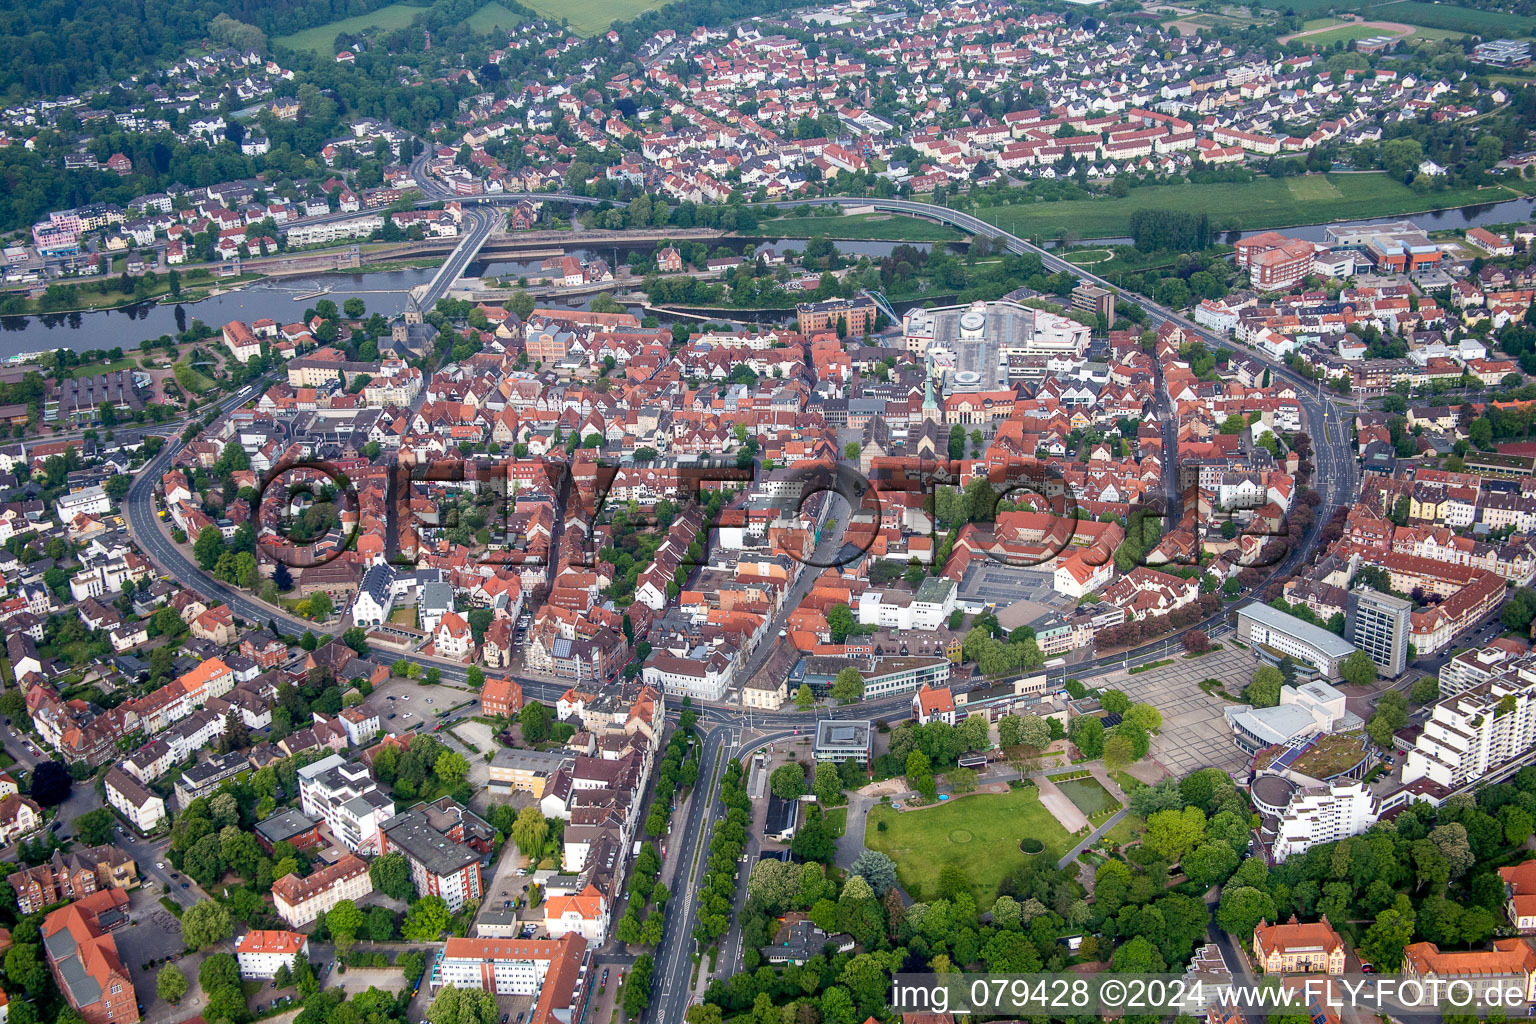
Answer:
(1275, 634)
(837, 740)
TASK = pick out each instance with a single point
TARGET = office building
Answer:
(1296, 947)
(1305, 711)
(1274, 634)
(1093, 299)
(1380, 624)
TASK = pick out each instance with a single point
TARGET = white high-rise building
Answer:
(1323, 814)
(1472, 732)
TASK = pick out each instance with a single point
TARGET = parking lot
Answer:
(151, 935)
(412, 702)
(1195, 732)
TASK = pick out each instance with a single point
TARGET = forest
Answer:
(55, 47)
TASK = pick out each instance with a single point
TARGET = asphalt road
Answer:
(671, 982)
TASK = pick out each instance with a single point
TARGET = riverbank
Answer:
(1261, 204)
(89, 300)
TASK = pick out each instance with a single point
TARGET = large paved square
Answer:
(1195, 733)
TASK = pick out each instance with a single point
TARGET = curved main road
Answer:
(1334, 459)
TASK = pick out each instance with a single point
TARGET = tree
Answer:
(827, 784)
(1264, 689)
(208, 547)
(426, 920)
(1119, 751)
(961, 780)
(355, 638)
(920, 774)
(411, 964)
(1209, 863)
(50, 783)
(877, 869)
(788, 781)
(344, 921)
(1196, 642)
(219, 970)
(1425, 690)
(1144, 717)
(534, 719)
(205, 924)
(463, 1006)
(1174, 833)
(391, 875)
(94, 828)
(848, 686)
(451, 767)
(1243, 907)
(1358, 669)
(1087, 734)
(804, 698)
(637, 987)
(1386, 938)
(1391, 714)
(530, 831)
(25, 966)
(320, 606)
(170, 984)
(1115, 702)
(381, 924)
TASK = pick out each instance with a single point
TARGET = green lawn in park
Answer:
(978, 833)
(1262, 203)
(322, 38)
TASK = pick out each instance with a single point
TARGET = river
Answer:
(385, 291)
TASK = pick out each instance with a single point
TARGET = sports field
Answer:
(1342, 34)
(980, 834)
(1261, 203)
(322, 38)
(591, 17)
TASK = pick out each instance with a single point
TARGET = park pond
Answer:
(1086, 793)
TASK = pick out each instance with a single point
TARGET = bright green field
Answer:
(1342, 34)
(1448, 16)
(493, 15)
(862, 226)
(980, 834)
(321, 38)
(591, 17)
(1262, 203)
